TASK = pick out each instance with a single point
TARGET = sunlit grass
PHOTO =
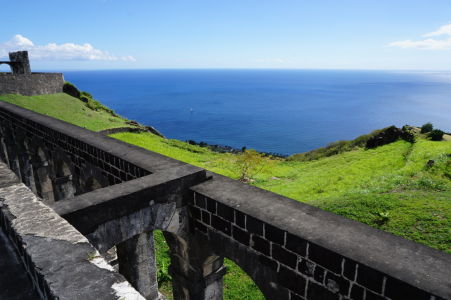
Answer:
(67, 108)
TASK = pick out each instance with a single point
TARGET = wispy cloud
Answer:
(53, 51)
(444, 30)
(443, 43)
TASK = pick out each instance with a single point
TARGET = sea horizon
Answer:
(283, 111)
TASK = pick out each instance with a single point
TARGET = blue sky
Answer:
(298, 34)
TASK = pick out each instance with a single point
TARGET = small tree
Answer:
(250, 163)
(426, 128)
(436, 135)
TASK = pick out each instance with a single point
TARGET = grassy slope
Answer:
(360, 184)
(388, 187)
(67, 108)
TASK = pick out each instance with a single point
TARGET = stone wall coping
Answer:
(150, 161)
(59, 259)
(421, 266)
(88, 210)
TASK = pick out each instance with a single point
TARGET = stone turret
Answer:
(20, 64)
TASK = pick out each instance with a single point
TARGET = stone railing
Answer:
(60, 261)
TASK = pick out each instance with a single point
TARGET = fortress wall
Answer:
(31, 84)
(311, 253)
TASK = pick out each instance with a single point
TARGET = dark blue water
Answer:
(271, 110)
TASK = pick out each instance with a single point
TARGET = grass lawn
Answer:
(391, 187)
(67, 108)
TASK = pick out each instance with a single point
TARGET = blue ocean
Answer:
(280, 111)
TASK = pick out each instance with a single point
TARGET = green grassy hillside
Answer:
(390, 187)
(69, 109)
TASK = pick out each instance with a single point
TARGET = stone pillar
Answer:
(196, 273)
(136, 258)
(21, 63)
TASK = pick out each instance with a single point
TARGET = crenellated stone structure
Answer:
(115, 195)
(22, 81)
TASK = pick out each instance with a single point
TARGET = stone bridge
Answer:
(115, 195)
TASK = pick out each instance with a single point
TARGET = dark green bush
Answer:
(71, 90)
(436, 135)
(408, 134)
(386, 136)
(427, 128)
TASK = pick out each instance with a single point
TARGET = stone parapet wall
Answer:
(58, 259)
(31, 84)
(313, 254)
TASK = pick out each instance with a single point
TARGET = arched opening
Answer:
(5, 68)
(63, 185)
(92, 184)
(3, 151)
(27, 167)
(163, 260)
(44, 186)
(238, 285)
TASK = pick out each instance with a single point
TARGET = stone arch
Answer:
(11, 147)
(3, 149)
(63, 178)
(27, 167)
(92, 184)
(262, 273)
(41, 170)
(194, 260)
(91, 178)
(5, 66)
(264, 277)
(22, 154)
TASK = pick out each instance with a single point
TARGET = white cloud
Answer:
(430, 43)
(444, 30)
(53, 51)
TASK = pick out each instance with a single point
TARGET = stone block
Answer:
(261, 245)
(284, 256)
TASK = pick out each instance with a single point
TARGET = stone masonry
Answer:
(22, 81)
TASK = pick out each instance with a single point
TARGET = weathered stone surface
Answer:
(333, 251)
(136, 257)
(60, 260)
(31, 84)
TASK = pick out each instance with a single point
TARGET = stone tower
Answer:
(19, 62)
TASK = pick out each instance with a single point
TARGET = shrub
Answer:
(436, 135)
(407, 134)
(386, 136)
(71, 90)
(249, 164)
(426, 128)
